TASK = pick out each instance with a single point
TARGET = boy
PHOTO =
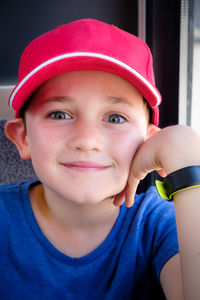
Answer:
(82, 119)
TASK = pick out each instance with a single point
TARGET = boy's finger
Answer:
(130, 193)
(120, 198)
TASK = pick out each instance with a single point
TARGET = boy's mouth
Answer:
(85, 166)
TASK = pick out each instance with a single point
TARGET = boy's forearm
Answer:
(187, 210)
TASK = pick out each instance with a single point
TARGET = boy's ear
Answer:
(16, 132)
(151, 130)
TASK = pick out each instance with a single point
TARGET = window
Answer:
(189, 73)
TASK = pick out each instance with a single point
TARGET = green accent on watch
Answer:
(161, 189)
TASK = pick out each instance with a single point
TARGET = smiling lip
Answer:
(85, 166)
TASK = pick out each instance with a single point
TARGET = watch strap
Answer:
(185, 178)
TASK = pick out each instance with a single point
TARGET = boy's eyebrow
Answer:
(120, 100)
(58, 99)
(111, 99)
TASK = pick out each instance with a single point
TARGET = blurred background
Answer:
(171, 29)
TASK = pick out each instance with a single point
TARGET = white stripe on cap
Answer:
(87, 54)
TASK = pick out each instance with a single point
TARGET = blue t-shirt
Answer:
(126, 265)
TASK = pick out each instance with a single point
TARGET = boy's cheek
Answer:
(125, 158)
(128, 148)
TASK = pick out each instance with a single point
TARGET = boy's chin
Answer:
(94, 194)
(91, 199)
(86, 196)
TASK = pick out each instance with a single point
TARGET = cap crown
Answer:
(86, 45)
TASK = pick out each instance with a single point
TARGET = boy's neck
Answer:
(70, 214)
(87, 225)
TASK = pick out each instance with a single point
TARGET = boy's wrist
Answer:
(182, 179)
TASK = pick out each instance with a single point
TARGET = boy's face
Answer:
(82, 130)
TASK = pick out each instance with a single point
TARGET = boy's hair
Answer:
(86, 45)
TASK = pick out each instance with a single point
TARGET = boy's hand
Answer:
(168, 150)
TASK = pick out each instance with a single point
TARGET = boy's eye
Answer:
(59, 115)
(115, 118)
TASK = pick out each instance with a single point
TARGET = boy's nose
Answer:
(86, 137)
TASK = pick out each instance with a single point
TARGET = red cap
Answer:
(86, 45)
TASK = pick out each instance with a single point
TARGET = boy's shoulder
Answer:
(11, 189)
(15, 187)
(12, 199)
(12, 194)
(151, 201)
(151, 213)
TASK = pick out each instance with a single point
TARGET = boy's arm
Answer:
(169, 150)
(187, 210)
(170, 278)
